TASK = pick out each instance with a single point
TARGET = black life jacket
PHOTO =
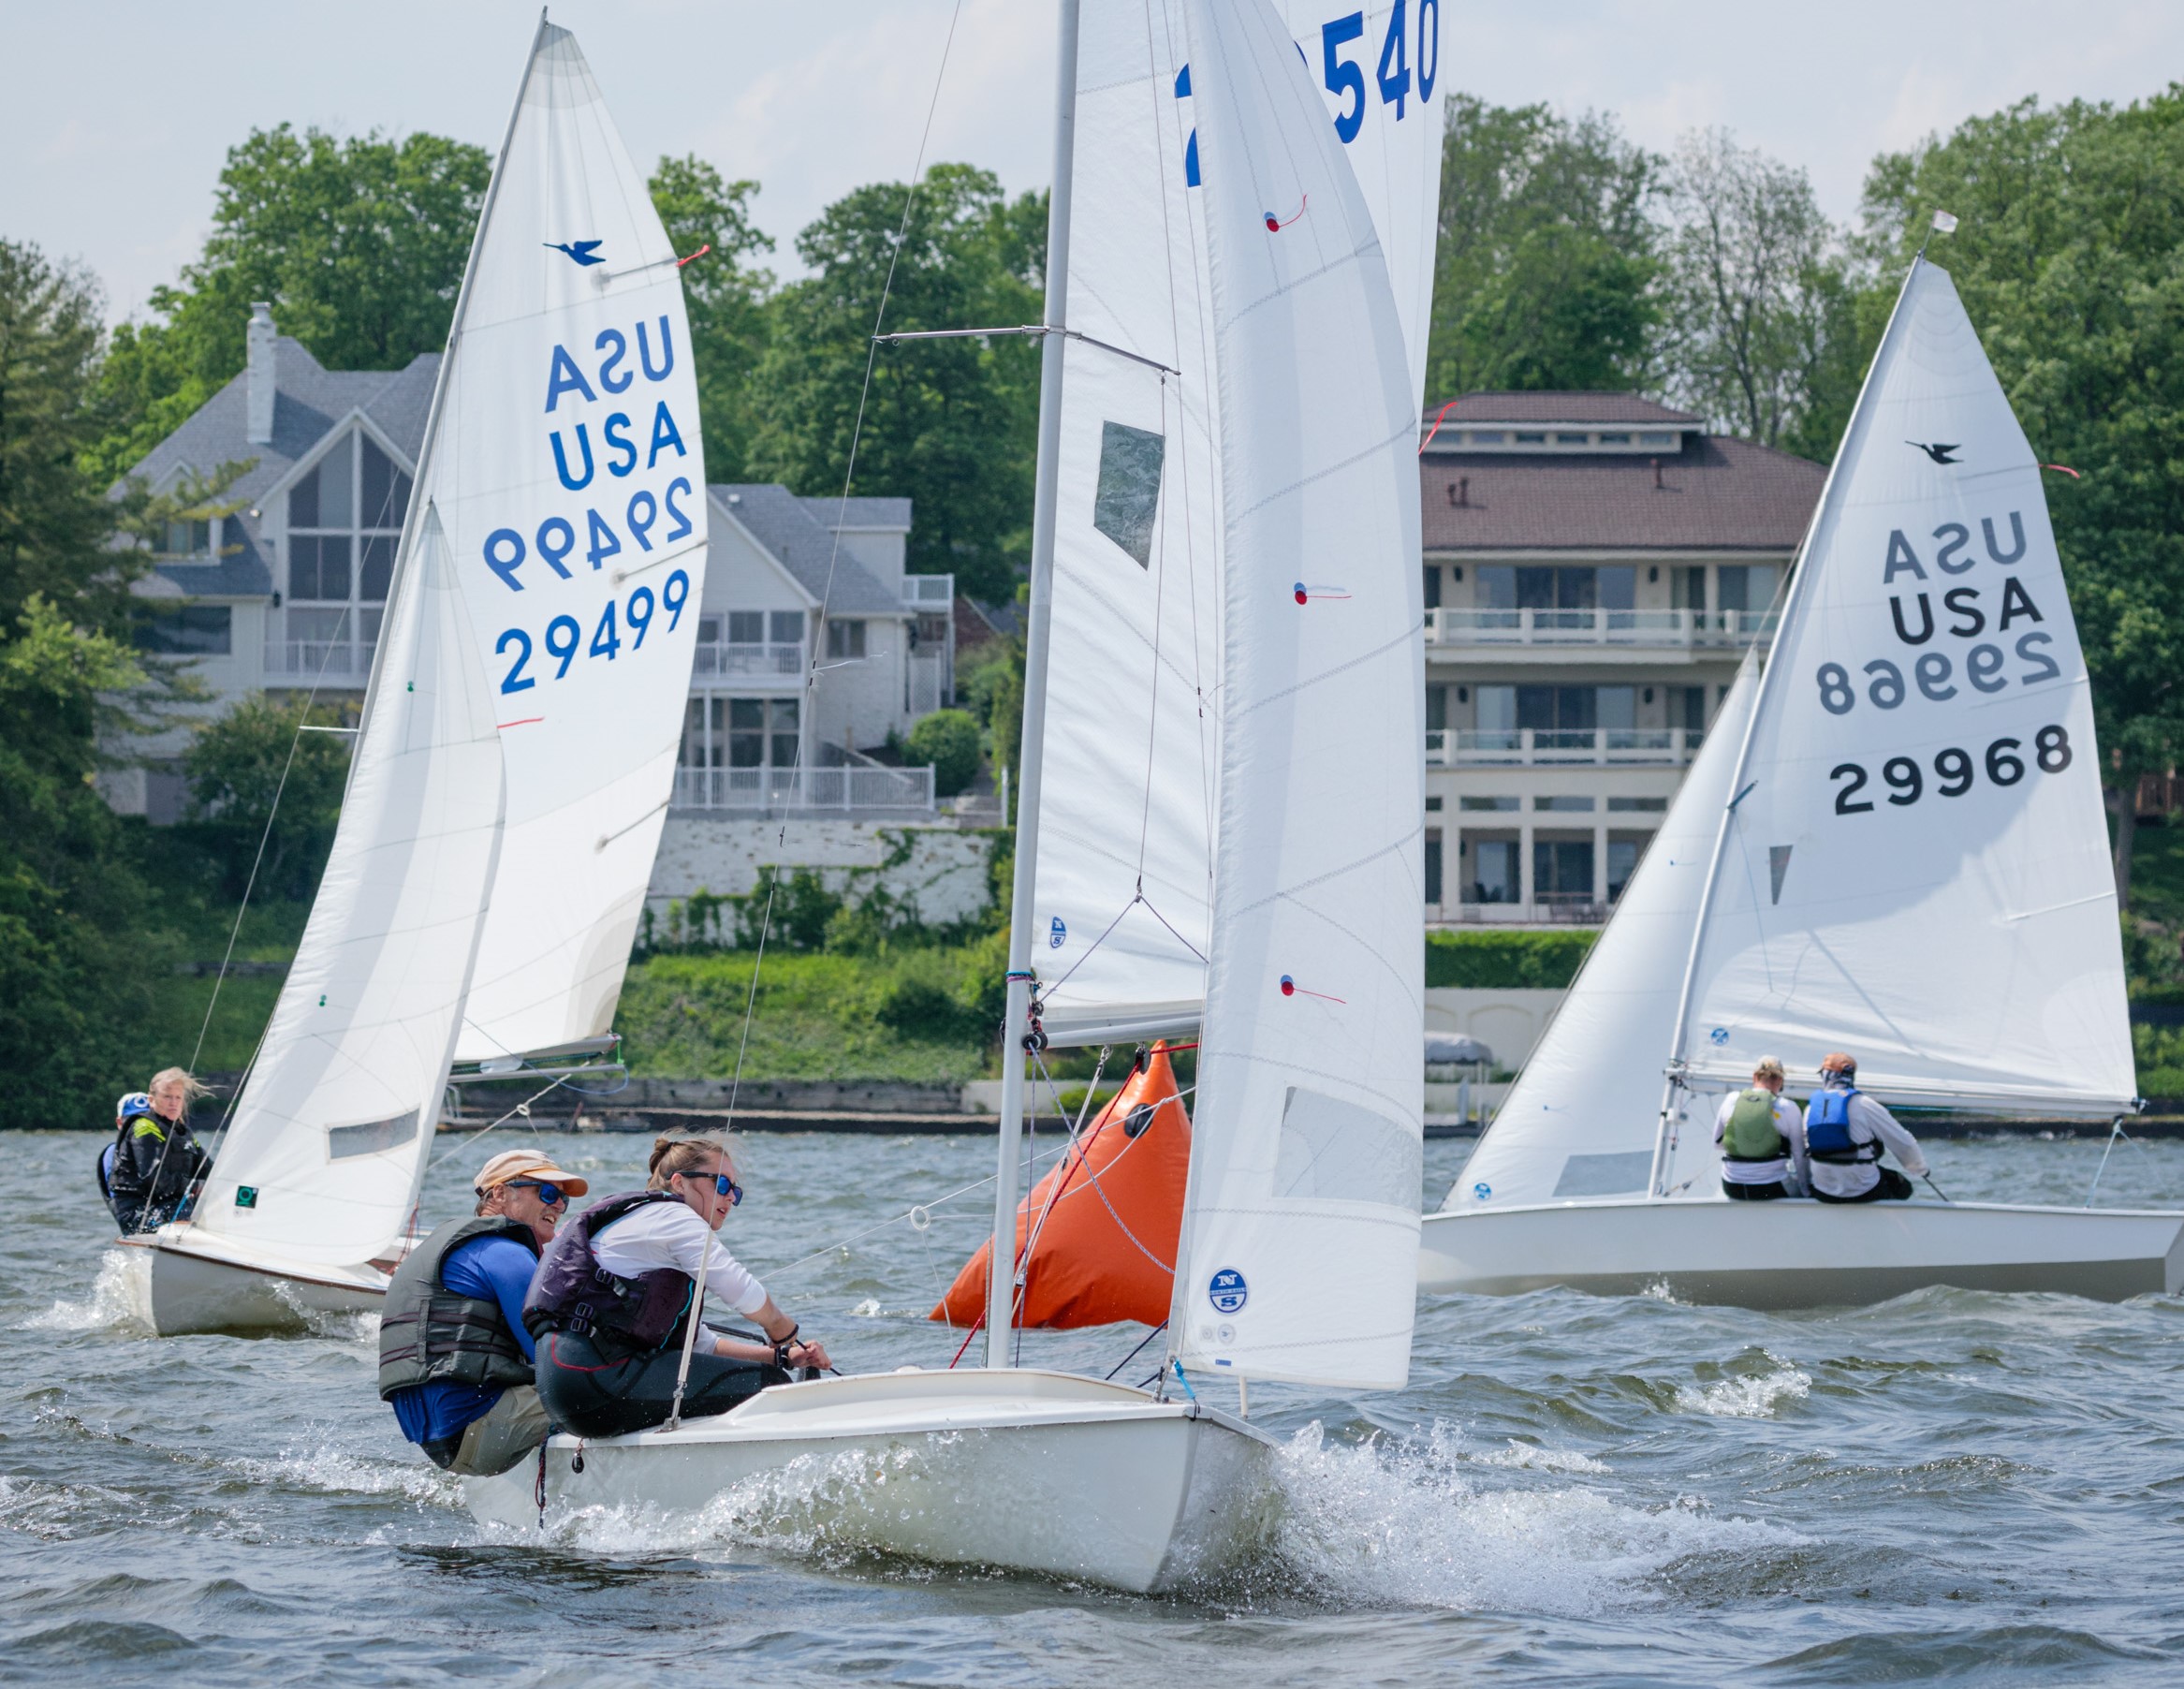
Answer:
(1828, 1130)
(430, 1334)
(573, 1293)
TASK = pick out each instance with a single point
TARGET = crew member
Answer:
(156, 1158)
(613, 1298)
(1762, 1140)
(1845, 1132)
(455, 1361)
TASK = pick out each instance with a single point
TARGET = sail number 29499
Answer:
(565, 634)
(1955, 773)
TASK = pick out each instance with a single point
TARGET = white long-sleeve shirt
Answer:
(1867, 1122)
(1791, 1125)
(670, 1234)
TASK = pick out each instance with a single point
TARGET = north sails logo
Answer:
(1939, 452)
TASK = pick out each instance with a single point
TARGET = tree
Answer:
(252, 766)
(1545, 252)
(2070, 259)
(1758, 307)
(949, 423)
(359, 243)
(727, 300)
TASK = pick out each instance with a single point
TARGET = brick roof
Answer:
(1598, 409)
(1715, 494)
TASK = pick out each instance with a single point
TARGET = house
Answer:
(1597, 566)
(284, 589)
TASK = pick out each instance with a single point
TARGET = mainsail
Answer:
(322, 1162)
(1301, 1225)
(566, 462)
(1131, 775)
(1919, 871)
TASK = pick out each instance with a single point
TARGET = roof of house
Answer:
(1611, 409)
(1714, 494)
(799, 532)
(309, 399)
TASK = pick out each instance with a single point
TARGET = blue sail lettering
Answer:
(561, 463)
(565, 377)
(644, 352)
(665, 433)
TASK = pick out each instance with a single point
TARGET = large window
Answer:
(1562, 871)
(1506, 586)
(344, 521)
(194, 630)
(1494, 871)
(740, 733)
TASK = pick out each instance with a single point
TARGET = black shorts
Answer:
(1892, 1187)
(1773, 1191)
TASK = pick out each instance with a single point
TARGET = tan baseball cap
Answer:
(527, 1164)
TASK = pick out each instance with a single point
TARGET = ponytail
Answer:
(674, 1155)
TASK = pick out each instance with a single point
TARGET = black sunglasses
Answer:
(553, 1195)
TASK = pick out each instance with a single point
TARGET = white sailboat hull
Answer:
(1802, 1253)
(188, 1282)
(1029, 1471)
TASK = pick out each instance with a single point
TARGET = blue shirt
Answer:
(492, 1269)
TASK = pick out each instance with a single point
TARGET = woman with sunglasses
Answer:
(610, 1300)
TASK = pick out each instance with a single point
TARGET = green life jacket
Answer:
(1753, 1135)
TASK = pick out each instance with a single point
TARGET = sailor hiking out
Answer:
(611, 1297)
(155, 1158)
(455, 1362)
(1762, 1140)
(1845, 1133)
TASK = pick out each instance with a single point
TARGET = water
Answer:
(1573, 1489)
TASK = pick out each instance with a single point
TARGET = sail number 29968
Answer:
(1955, 773)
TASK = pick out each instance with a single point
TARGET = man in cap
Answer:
(1845, 1132)
(455, 1360)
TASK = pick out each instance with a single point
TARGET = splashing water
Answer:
(120, 1298)
(1753, 1397)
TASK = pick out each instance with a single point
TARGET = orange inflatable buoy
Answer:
(1084, 1269)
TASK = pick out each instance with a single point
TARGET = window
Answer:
(746, 627)
(1485, 436)
(1558, 709)
(785, 627)
(1487, 805)
(1642, 806)
(1433, 586)
(196, 630)
(1615, 439)
(1564, 803)
(1436, 708)
(344, 523)
(1433, 806)
(1617, 706)
(1525, 439)
(187, 540)
(1504, 586)
(1572, 440)
(1432, 867)
(1688, 704)
(1747, 586)
(1687, 587)
(1494, 872)
(1562, 871)
(1622, 861)
(740, 733)
(1496, 708)
(1657, 439)
(845, 640)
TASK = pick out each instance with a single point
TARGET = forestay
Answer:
(1131, 787)
(1919, 873)
(1582, 1117)
(566, 461)
(327, 1149)
(1300, 1229)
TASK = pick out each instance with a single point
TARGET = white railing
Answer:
(928, 682)
(1460, 748)
(749, 659)
(1576, 910)
(805, 791)
(929, 592)
(1653, 628)
(339, 661)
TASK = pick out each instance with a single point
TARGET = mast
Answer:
(1001, 1274)
(1738, 783)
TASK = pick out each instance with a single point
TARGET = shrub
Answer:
(948, 739)
(1506, 960)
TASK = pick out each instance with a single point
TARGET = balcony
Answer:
(1628, 629)
(814, 793)
(720, 658)
(1559, 747)
(932, 592)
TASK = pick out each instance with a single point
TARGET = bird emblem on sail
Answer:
(1937, 451)
(582, 252)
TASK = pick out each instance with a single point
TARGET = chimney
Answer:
(1460, 495)
(1657, 485)
(260, 370)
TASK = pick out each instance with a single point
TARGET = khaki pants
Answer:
(508, 1430)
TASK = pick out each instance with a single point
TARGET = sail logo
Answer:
(1939, 452)
(1227, 1291)
(579, 251)
(1056, 933)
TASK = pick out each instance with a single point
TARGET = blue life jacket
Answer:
(1828, 1130)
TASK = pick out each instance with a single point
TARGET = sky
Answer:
(119, 115)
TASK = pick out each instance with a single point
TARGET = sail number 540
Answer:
(1954, 772)
(1345, 78)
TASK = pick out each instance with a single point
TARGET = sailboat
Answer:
(1891, 843)
(549, 576)
(1299, 1232)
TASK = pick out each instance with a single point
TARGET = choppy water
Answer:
(1632, 1490)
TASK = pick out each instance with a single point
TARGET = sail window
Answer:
(1334, 1150)
(370, 1136)
(1128, 493)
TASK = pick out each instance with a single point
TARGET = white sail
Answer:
(566, 462)
(1919, 871)
(1130, 783)
(323, 1160)
(1582, 1117)
(1301, 1225)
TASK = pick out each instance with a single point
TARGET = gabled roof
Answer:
(788, 527)
(1714, 494)
(1595, 409)
(308, 400)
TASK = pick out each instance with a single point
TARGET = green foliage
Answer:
(1546, 253)
(241, 765)
(1521, 960)
(359, 243)
(948, 739)
(949, 423)
(727, 300)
